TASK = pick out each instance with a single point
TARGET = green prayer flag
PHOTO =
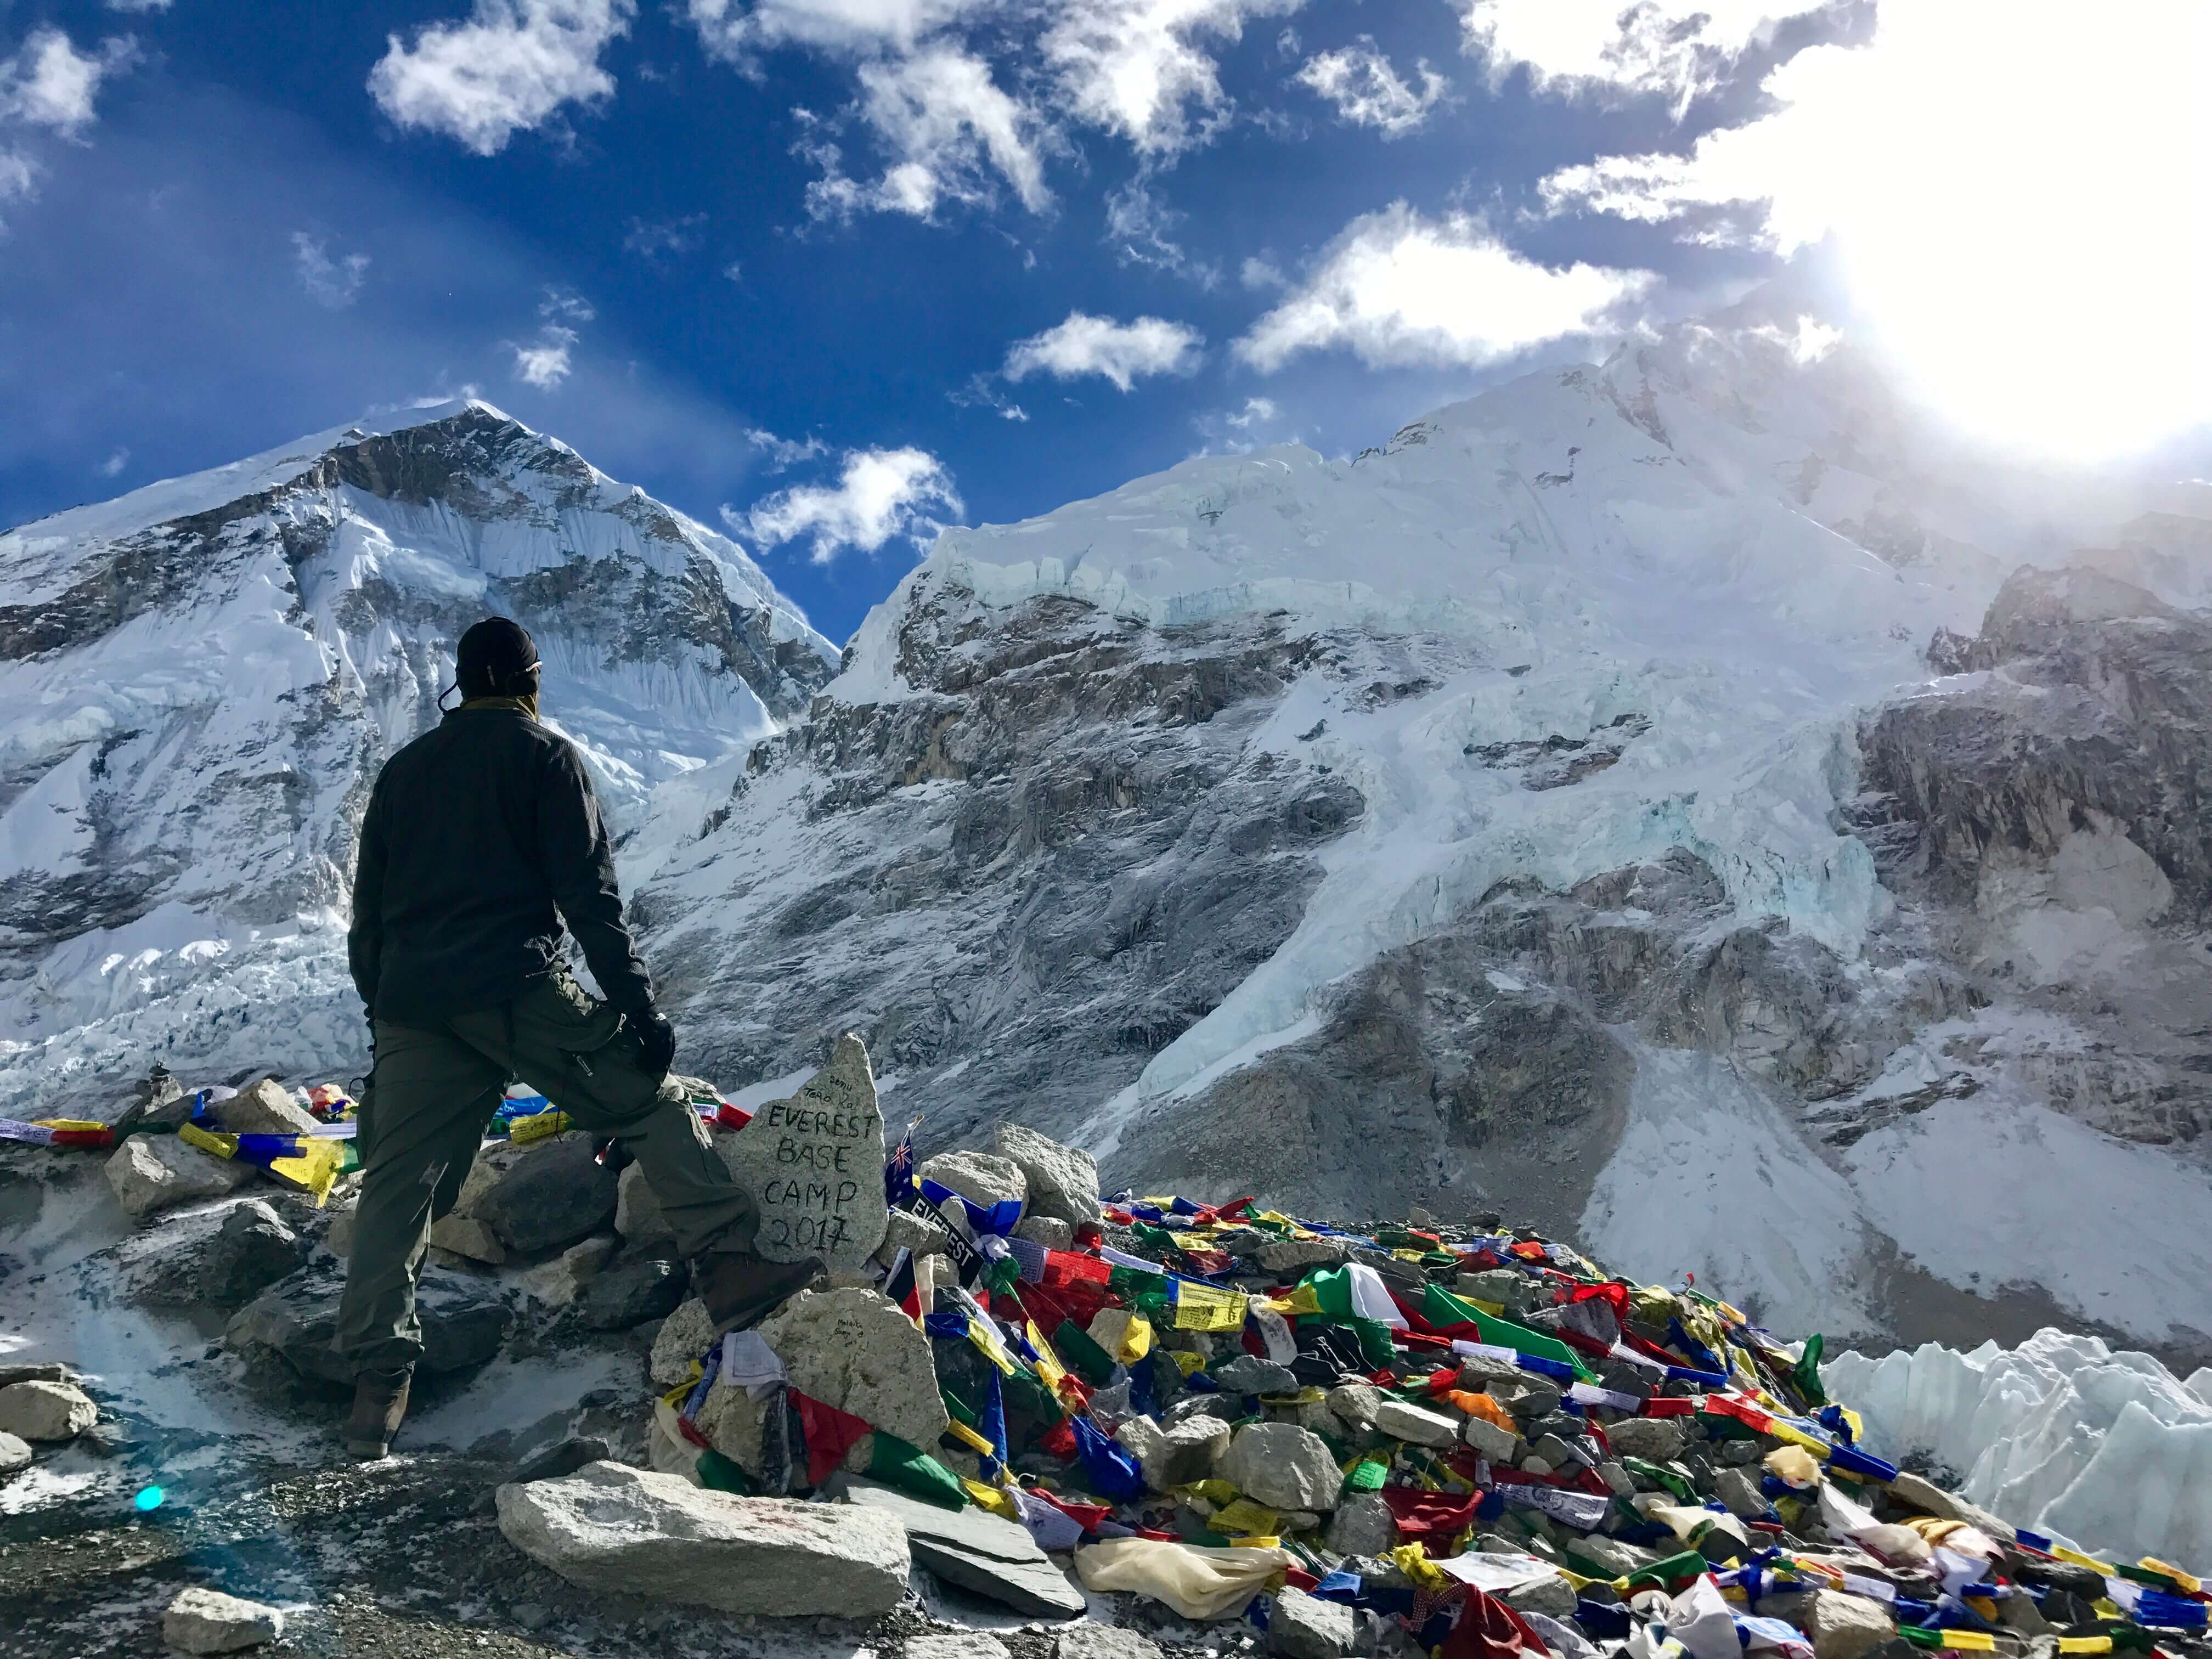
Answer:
(1443, 1311)
(1807, 1373)
(1090, 1361)
(904, 1465)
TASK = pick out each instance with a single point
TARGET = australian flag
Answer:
(898, 1168)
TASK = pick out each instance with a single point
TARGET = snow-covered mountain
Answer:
(199, 680)
(1555, 810)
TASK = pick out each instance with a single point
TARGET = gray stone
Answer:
(1178, 1454)
(551, 1196)
(1622, 1483)
(42, 1371)
(979, 1177)
(1355, 1403)
(492, 1163)
(1613, 1557)
(1363, 1525)
(1533, 1464)
(632, 1291)
(682, 1338)
(638, 1215)
(1740, 1493)
(1508, 1287)
(252, 1250)
(1403, 1421)
(912, 1233)
(464, 1323)
(160, 1100)
(1062, 1183)
(1551, 1595)
(1089, 1640)
(1291, 1255)
(46, 1411)
(266, 1108)
(1740, 1454)
(153, 1172)
(814, 1163)
(1846, 1627)
(961, 1644)
(1282, 1466)
(1497, 1444)
(1249, 1374)
(466, 1237)
(14, 1455)
(1533, 1399)
(1920, 1496)
(611, 1529)
(557, 1283)
(848, 1348)
(561, 1459)
(1478, 1372)
(1302, 1626)
(1555, 1451)
(975, 1550)
(208, 1621)
(1046, 1230)
(1654, 1439)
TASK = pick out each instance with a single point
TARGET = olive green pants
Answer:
(434, 1092)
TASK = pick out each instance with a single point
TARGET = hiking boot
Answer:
(740, 1290)
(380, 1404)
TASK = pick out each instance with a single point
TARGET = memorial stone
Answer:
(815, 1161)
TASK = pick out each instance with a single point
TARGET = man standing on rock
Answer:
(482, 838)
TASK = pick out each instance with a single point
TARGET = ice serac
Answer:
(199, 680)
(1504, 818)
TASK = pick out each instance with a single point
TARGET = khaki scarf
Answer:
(527, 706)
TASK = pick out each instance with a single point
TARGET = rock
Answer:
(977, 1176)
(491, 1165)
(338, 1238)
(1356, 1403)
(1495, 1444)
(1550, 1594)
(1287, 1257)
(852, 1349)
(975, 1550)
(1654, 1439)
(266, 1108)
(1302, 1626)
(556, 1283)
(682, 1338)
(208, 1621)
(467, 1236)
(1283, 1466)
(638, 1215)
(1533, 1400)
(1533, 1464)
(464, 1323)
(1741, 1494)
(1616, 1558)
(550, 1197)
(612, 1528)
(251, 1251)
(1047, 1231)
(816, 1163)
(562, 1459)
(1846, 1627)
(912, 1233)
(1622, 1483)
(14, 1455)
(160, 1100)
(1403, 1421)
(632, 1291)
(45, 1371)
(153, 1172)
(1248, 1374)
(965, 1644)
(1508, 1287)
(1478, 1374)
(1363, 1525)
(1178, 1454)
(46, 1411)
(1920, 1496)
(1088, 1640)
(1062, 1183)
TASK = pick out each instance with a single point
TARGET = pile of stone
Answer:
(1462, 1437)
(41, 1406)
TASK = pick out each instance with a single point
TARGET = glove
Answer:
(656, 1042)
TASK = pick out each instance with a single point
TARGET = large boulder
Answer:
(1282, 1466)
(558, 1282)
(1178, 1454)
(814, 1163)
(1656, 1439)
(208, 1621)
(977, 1551)
(682, 1338)
(1063, 1183)
(252, 1249)
(611, 1529)
(14, 1455)
(467, 1238)
(1402, 1420)
(46, 1411)
(977, 1176)
(550, 1197)
(266, 1108)
(1302, 1626)
(638, 1215)
(633, 1290)
(153, 1172)
(1846, 1626)
(1363, 1525)
(464, 1323)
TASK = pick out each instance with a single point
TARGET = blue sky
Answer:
(831, 272)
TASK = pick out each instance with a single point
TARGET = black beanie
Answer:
(494, 658)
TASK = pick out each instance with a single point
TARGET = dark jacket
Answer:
(482, 837)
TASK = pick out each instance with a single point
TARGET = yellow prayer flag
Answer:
(2085, 1644)
(1186, 1362)
(1202, 1307)
(968, 1437)
(1970, 1641)
(524, 1130)
(991, 1498)
(214, 1145)
(2079, 1560)
(1136, 1340)
(1302, 1299)
(1246, 1516)
(1050, 1371)
(71, 1123)
(1255, 1543)
(2152, 1563)
(314, 1169)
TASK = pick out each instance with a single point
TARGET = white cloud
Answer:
(983, 391)
(2017, 190)
(1673, 48)
(509, 68)
(735, 270)
(1259, 273)
(733, 29)
(785, 452)
(1132, 66)
(1367, 90)
(19, 177)
(138, 8)
(114, 465)
(1123, 353)
(544, 362)
(881, 494)
(652, 238)
(1398, 288)
(949, 132)
(48, 83)
(332, 282)
(1140, 227)
(566, 304)
(1257, 411)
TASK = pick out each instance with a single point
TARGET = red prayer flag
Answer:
(830, 1434)
(1488, 1629)
(1426, 1514)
